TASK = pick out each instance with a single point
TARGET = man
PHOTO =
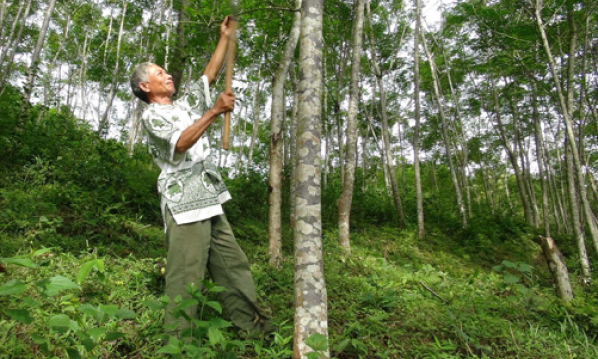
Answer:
(198, 234)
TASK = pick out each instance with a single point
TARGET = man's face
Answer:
(159, 81)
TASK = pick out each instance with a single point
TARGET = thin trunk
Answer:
(276, 165)
(512, 154)
(584, 261)
(346, 197)
(9, 40)
(104, 125)
(387, 151)
(417, 114)
(293, 140)
(311, 310)
(445, 134)
(566, 104)
(7, 65)
(136, 127)
(168, 30)
(539, 156)
(557, 267)
(255, 114)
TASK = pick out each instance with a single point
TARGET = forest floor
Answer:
(395, 296)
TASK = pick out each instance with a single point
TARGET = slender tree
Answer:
(421, 231)
(311, 311)
(277, 113)
(346, 197)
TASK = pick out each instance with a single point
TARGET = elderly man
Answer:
(198, 234)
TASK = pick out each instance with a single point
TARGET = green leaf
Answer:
(56, 284)
(342, 345)
(61, 323)
(38, 339)
(14, 287)
(96, 333)
(508, 264)
(215, 336)
(41, 251)
(186, 303)
(318, 342)
(169, 349)
(90, 310)
(125, 314)
(86, 268)
(109, 309)
(511, 278)
(153, 304)
(114, 335)
(524, 268)
(24, 262)
(31, 303)
(73, 353)
(215, 305)
(219, 323)
(88, 344)
(20, 315)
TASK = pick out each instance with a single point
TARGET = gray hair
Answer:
(140, 74)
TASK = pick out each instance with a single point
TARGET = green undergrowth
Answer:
(395, 296)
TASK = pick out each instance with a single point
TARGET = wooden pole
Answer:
(230, 61)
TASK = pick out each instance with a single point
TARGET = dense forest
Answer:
(409, 180)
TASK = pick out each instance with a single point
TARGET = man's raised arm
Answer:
(219, 54)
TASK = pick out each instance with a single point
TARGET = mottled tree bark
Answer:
(346, 197)
(276, 165)
(311, 312)
(557, 267)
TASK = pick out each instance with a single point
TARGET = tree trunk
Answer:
(584, 261)
(557, 267)
(9, 40)
(541, 164)
(311, 311)
(445, 135)
(255, 113)
(387, 153)
(513, 159)
(293, 140)
(179, 53)
(566, 105)
(104, 126)
(417, 114)
(277, 113)
(346, 197)
(15, 43)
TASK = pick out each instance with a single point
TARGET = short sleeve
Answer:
(163, 136)
(197, 99)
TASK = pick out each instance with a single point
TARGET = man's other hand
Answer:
(226, 29)
(225, 102)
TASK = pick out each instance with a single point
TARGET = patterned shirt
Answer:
(189, 184)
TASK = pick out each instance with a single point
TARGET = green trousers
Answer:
(210, 244)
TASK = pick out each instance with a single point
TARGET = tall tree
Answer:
(277, 113)
(421, 231)
(346, 197)
(311, 311)
(35, 56)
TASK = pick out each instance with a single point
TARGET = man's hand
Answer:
(226, 29)
(224, 103)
